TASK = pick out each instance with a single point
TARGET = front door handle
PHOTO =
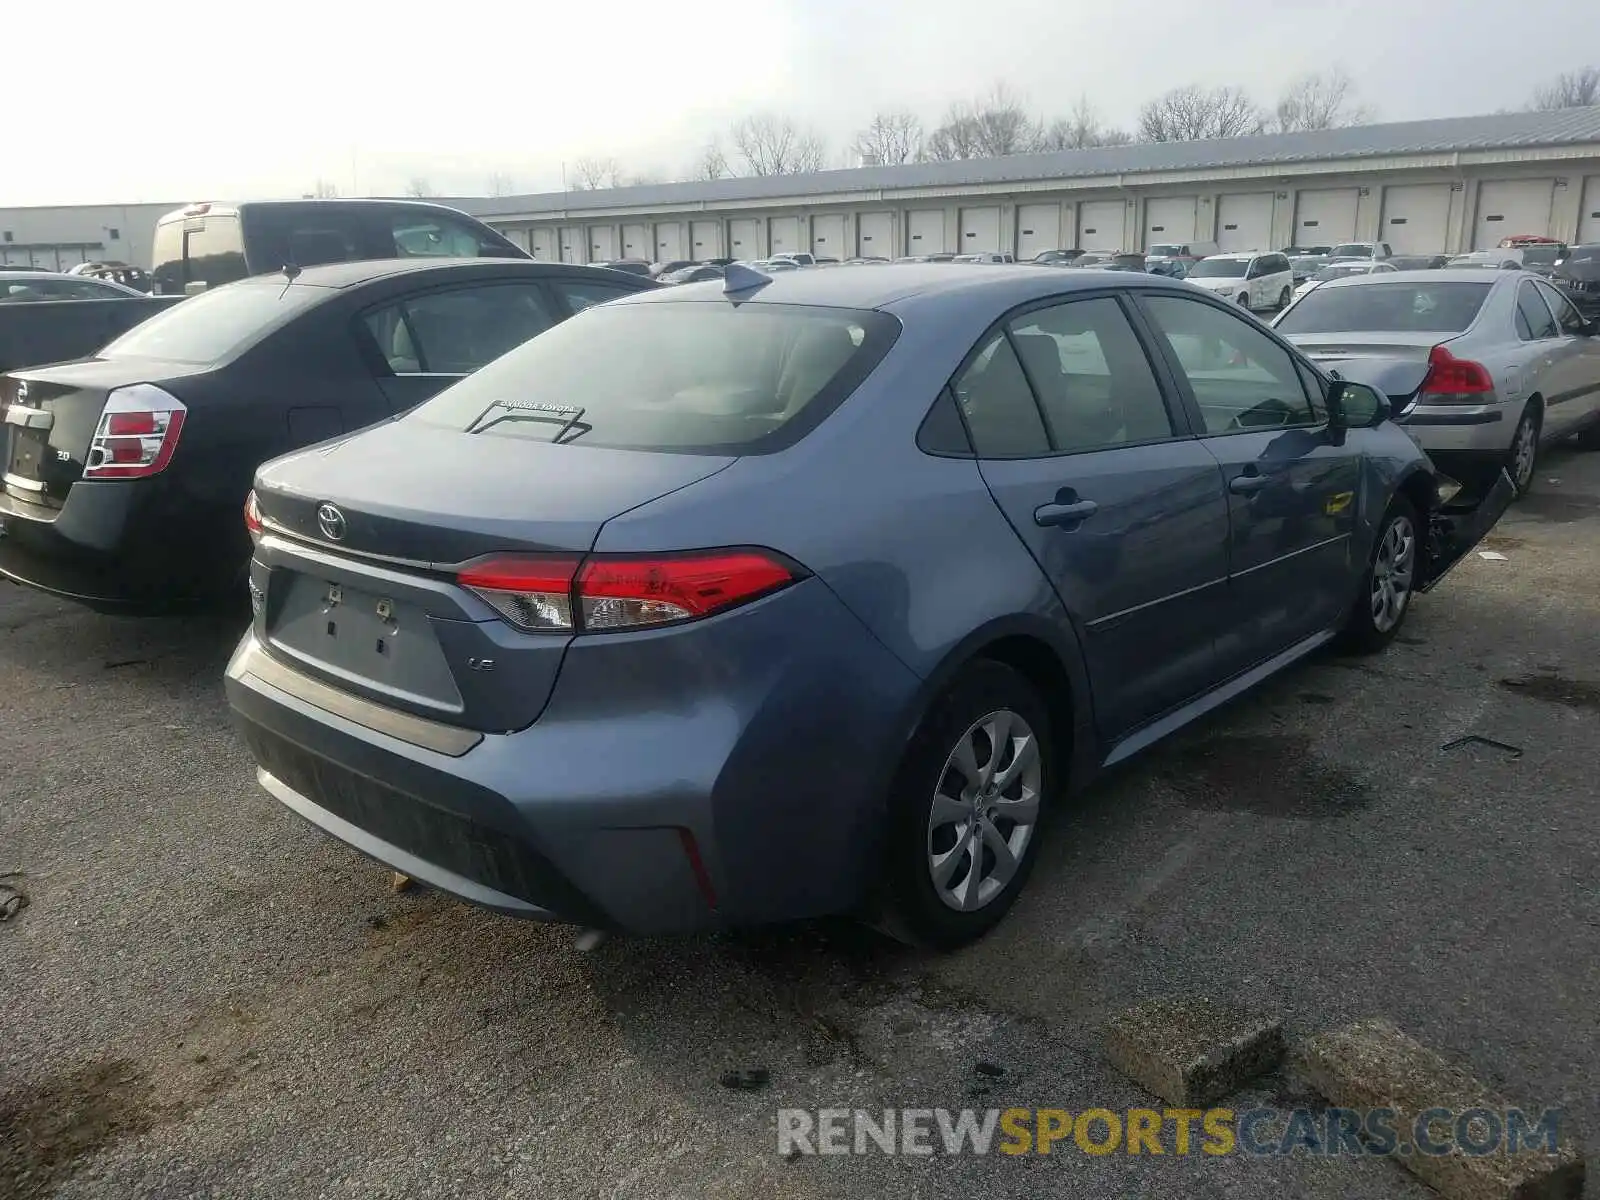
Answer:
(1064, 512)
(1247, 484)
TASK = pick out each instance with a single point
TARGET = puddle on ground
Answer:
(1271, 775)
(1554, 689)
(46, 1128)
(1558, 508)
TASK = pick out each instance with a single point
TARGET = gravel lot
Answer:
(206, 997)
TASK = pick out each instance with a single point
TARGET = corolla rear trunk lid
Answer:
(355, 579)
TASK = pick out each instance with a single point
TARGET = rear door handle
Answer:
(1245, 485)
(1064, 514)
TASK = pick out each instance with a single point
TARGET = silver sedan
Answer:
(1482, 366)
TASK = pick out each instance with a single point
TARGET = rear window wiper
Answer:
(567, 416)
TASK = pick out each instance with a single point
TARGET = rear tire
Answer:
(1522, 458)
(1388, 585)
(1244, 300)
(967, 808)
(1283, 299)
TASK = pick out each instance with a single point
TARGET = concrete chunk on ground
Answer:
(1191, 1051)
(1373, 1064)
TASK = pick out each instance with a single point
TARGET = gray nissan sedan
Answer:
(768, 598)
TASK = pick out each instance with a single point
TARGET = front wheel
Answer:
(1387, 585)
(967, 808)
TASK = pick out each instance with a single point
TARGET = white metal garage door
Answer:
(1100, 224)
(925, 232)
(636, 241)
(980, 230)
(1510, 207)
(517, 237)
(1416, 218)
(544, 244)
(669, 241)
(602, 243)
(827, 237)
(1589, 218)
(875, 235)
(785, 234)
(1038, 228)
(1244, 221)
(1325, 216)
(705, 239)
(572, 244)
(1169, 219)
(744, 237)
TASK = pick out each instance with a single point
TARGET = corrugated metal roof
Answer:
(1498, 131)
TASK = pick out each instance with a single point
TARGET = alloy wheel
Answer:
(1524, 450)
(985, 810)
(1392, 574)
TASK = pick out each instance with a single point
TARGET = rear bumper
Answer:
(116, 545)
(1476, 429)
(676, 781)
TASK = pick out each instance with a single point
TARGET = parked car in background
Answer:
(1578, 278)
(695, 274)
(985, 256)
(125, 472)
(23, 287)
(1055, 257)
(926, 258)
(1360, 250)
(1341, 270)
(136, 278)
(1481, 366)
(863, 260)
(1476, 260)
(675, 264)
(633, 266)
(771, 265)
(1172, 268)
(660, 571)
(1109, 260)
(1307, 251)
(1173, 259)
(1251, 280)
(1541, 257)
(1418, 262)
(798, 258)
(1303, 266)
(207, 245)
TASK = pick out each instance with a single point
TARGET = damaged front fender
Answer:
(1458, 525)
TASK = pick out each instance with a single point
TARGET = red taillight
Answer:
(137, 434)
(558, 593)
(252, 517)
(1452, 380)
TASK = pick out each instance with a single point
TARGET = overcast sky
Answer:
(146, 100)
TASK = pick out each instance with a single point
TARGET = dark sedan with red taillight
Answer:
(124, 473)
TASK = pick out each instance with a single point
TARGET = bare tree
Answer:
(1318, 101)
(590, 174)
(892, 138)
(1192, 112)
(325, 189)
(501, 184)
(712, 163)
(774, 145)
(1572, 89)
(644, 178)
(419, 187)
(992, 126)
(1080, 129)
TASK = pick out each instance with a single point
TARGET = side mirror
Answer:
(1355, 406)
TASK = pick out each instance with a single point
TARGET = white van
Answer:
(1251, 279)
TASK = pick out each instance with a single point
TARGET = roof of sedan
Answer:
(349, 274)
(1449, 275)
(883, 285)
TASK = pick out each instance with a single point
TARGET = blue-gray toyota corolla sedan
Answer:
(776, 597)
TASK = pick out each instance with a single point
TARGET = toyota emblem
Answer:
(331, 521)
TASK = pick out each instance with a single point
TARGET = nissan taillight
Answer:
(561, 593)
(1452, 380)
(137, 434)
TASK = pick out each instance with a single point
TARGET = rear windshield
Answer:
(1218, 268)
(1386, 307)
(1540, 256)
(703, 378)
(1352, 250)
(1584, 254)
(214, 325)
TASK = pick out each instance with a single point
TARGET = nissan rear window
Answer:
(709, 378)
(214, 325)
(1386, 307)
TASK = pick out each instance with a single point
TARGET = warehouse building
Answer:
(59, 236)
(1425, 187)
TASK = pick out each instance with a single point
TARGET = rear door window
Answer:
(687, 377)
(455, 332)
(1567, 317)
(1002, 414)
(439, 235)
(1533, 315)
